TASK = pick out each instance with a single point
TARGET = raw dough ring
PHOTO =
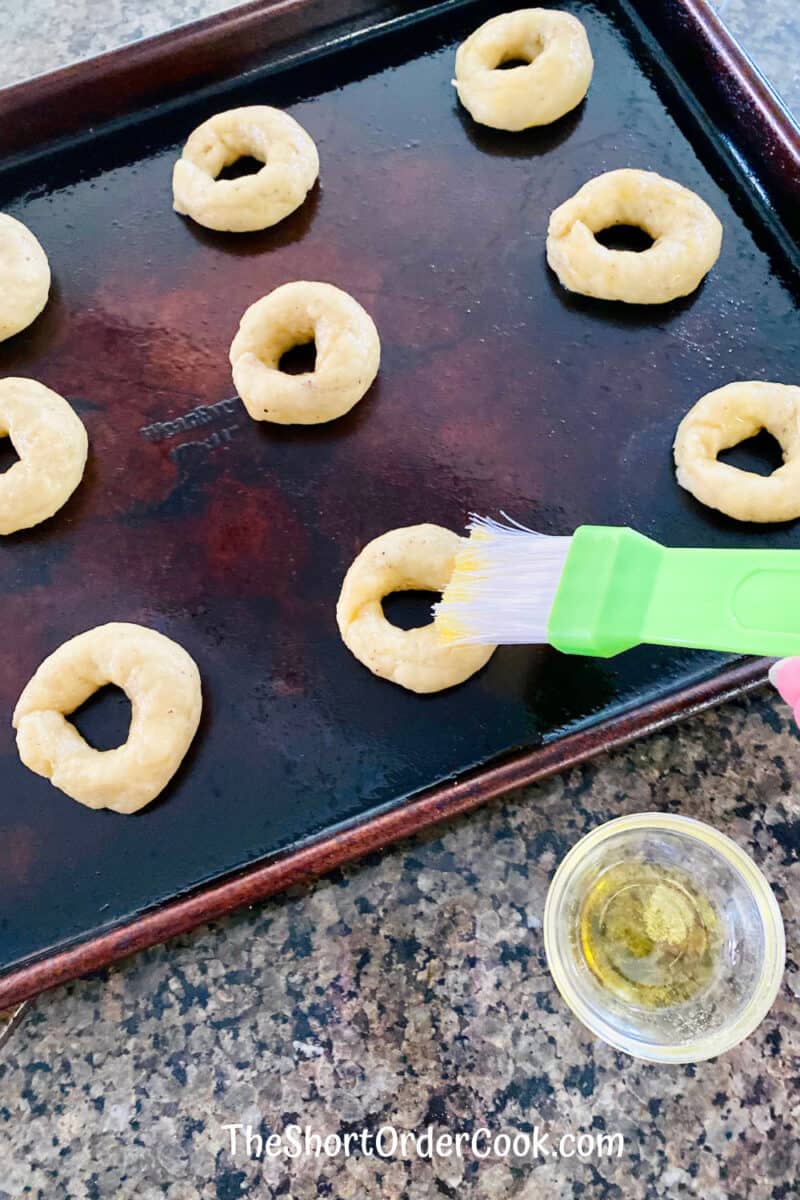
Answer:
(50, 439)
(348, 354)
(730, 415)
(554, 81)
(291, 165)
(417, 556)
(686, 238)
(24, 277)
(163, 685)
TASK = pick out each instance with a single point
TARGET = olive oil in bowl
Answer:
(664, 937)
(648, 934)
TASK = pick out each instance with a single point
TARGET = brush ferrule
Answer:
(605, 591)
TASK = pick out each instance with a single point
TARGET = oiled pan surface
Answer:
(497, 391)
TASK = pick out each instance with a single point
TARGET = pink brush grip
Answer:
(785, 676)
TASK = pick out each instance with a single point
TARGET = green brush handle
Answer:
(619, 589)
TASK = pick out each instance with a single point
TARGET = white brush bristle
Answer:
(503, 585)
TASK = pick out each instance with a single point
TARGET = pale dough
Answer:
(163, 685)
(24, 277)
(415, 557)
(722, 419)
(52, 445)
(554, 80)
(347, 345)
(686, 238)
(291, 165)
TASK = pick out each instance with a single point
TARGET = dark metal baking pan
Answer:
(497, 390)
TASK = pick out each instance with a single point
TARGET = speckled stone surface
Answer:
(40, 35)
(412, 988)
(770, 32)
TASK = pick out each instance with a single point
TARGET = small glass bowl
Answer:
(750, 950)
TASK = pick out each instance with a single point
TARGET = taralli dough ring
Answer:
(418, 556)
(686, 238)
(554, 80)
(24, 277)
(50, 439)
(291, 165)
(347, 345)
(163, 685)
(722, 419)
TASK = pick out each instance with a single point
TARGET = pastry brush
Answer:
(605, 590)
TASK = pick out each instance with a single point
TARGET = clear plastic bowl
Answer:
(750, 953)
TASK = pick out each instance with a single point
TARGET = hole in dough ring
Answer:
(722, 419)
(24, 277)
(417, 557)
(553, 81)
(50, 439)
(291, 165)
(163, 685)
(687, 238)
(348, 354)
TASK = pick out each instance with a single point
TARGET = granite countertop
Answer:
(411, 988)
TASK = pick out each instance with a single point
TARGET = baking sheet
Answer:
(497, 390)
